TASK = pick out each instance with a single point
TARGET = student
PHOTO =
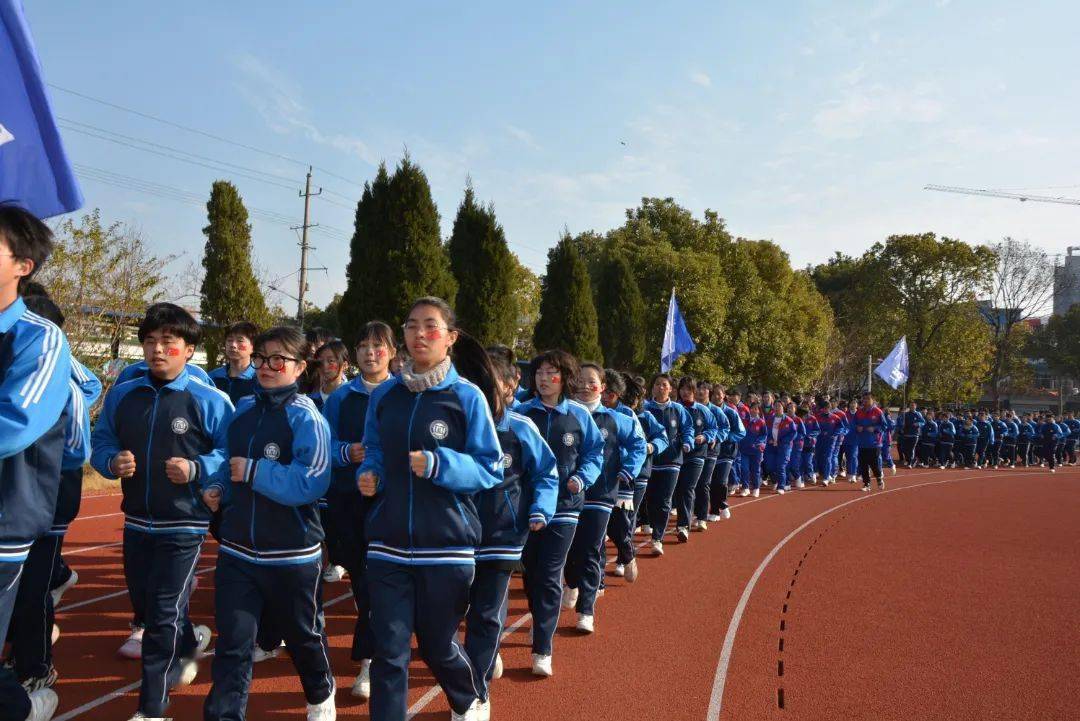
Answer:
(623, 455)
(333, 360)
(237, 378)
(621, 526)
(851, 443)
(140, 368)
(679, 425)
(32, 635)
(751, 450)
(575, 439)
(823, 456)
(316, 339)
(813, 431)
(703, 492)
(967, 438)
(1027, 439)
(841, 430)
(1010, 435)
(911, 424)
(522, 504)
(726, 458)
(946, 440)
(1048, 436)
(781, 432)
(869, 425)
(430, 445)
(270, 554)
(887, 442)
(794, 469)
(162, 434)
(345, 411)
(927, 448)
(704, 423)
(1072, 441)
(35, 368)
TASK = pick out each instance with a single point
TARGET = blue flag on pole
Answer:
(34, 170)
(677, 338)
(894, 369)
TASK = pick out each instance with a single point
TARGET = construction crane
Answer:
(1022, 197)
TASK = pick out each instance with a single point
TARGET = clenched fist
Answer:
(367, 483)
(418, 463)
(356, 453)
(574, 485)
(123, 464)
(237, 469)
(178, 470)
(537, 526)
(212, 498)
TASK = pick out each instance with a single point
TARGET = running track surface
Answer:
(952, 595)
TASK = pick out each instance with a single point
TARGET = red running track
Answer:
(952, 595)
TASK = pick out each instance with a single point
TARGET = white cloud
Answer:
(860, 110)
(278, 101)
(522, 135)
(700, 78)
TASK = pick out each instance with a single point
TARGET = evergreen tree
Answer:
(620, 312)
(368, 257)
(230, 291)
(567, 314)
(485, 270)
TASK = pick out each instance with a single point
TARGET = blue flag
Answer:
(34, 170)
(677, 338)
(894, 369)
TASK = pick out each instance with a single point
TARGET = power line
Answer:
(203, 133)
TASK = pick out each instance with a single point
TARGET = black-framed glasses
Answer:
(275, 361)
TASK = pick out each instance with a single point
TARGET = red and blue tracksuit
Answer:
(869, 426)
(423, 531)
(794, 469)
(751, 451)
(527, 494)
(679, 425)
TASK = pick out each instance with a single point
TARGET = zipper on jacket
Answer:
(510, 510)
(408, 443)
(251, 442)
(149, 446)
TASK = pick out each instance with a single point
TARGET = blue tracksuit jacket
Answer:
(653, 432)
(429, 519)
(346, 411)
(624, 455)
(911, 423)
(85, 388)
(236, 388)
(679, 426)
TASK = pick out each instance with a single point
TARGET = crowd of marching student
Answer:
(426, 473)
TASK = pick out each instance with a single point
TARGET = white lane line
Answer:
(115, 594)
(720, 679)
(100, 515)
(93, 548)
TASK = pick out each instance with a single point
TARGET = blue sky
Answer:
(814, 123)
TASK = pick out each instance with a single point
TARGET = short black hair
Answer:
(37, 300)
(614, 381)
(170, 318)
(338, 348)
(566, 364)
(245, 328)
(26, 237)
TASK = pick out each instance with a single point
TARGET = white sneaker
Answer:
(132, 647)
(541, 665)
(725, 513)
(674, 512)
(756, 492)
(658, 548)
(620, 570)
(259, 654)
(483, 710)
(745, 492)
(851, 479)
(585, 623)
(712, 517)
(683, 534)
(43, 703)
(800, 484)
(842, 474)
(497, 672)
(1052, 470)
(361, 687)
(325, 711)
(646, 529)
(55, 634)
(188, 673)
(893, 469)
(202, 639)
(569, 597)
(58, 592)
(780, 491)
(700, 525)
(881, 484)
(632, 570)
(865, 488)
(333, 574)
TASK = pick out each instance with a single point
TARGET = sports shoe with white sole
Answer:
(325, 711)
(333, 574)
(132, 647)
(569, 597)
(683, 534)
(893, 469)
(260, 654)
(361, 687)
(756, 492)
(36, 683)
(43, 703)
(657, 547)
(585, 623)
(55, 636)
(631, 571)
(881, 484)
(497, 672)
(866, 487)
(620, 570)
(725, 513)
(712, 517)
(188, 673)
(781, 491)
(541, 665)
(646, 529)
(700, 525)
(745, 492)
(800, 484)
(483, 710)
(58, 592)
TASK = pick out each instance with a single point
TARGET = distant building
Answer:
(1067, 282)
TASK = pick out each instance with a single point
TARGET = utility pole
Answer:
(869, 373)
(304, 247)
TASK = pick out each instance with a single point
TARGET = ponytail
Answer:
(474, 364)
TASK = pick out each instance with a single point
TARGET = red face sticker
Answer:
(434, 333)
(172, 351)
(380, 352)
(556, 379)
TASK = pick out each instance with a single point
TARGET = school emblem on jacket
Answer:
(568, 439)
(272, 452)
(439, 430)
(674, 423)
(180, 426)
(603, 433)
(508, 460)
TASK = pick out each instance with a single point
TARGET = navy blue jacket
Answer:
(185, 418)
(238, 387)
(1074, 428)
(575, 439)
(345, 411)
(140, 369)
(986, 430)
(428, 519)
(679, 425)
(272, 516)
(85, 388)
(624, 455)
(967, 436)
(911, 423)
(527, 493)
(720, 432)
(946, 431)
(704, 425)
(35, 366)
(654, 434)
(1027, 431)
